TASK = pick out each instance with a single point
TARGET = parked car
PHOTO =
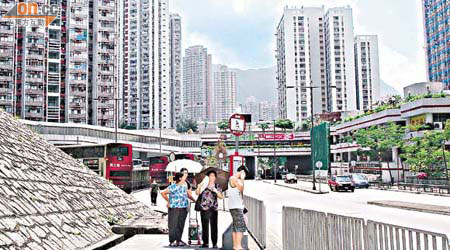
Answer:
(343, 182)
(360, 181)
(290, 178)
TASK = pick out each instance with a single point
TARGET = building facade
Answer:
(367, 72)
(437, 30)
(301, 62)
(224, 93)
(146, 69)
(251, 107)
(197, 87)
(268, 111)
(315, 48)
(340, 59)
(175, 69)
(65, 72)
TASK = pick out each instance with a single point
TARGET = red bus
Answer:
(113, 161)
(158, 167)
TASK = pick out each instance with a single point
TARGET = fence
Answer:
(256, 219)
(308, 229)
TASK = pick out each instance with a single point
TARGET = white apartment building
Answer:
(300, 58)
(224, 93)
(146, 69)
(197, 84)
(250, 106)
(175, 69)
(340, 59)
(367, 71)
(268, 111)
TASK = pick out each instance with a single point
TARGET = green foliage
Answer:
(284, 124)
(185, 125)
(305, 126)
(426, 153)
(113, 220)
(223, 125)
(126, 126)
(263, 126)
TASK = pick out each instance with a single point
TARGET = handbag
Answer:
(198, 202)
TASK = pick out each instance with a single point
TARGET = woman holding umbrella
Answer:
(209, 192)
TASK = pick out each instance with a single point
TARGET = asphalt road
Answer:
(347, 203)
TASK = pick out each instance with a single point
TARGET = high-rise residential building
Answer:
(367, 71)
(7, 60)
(301, 62)
(268, 111)
(103, 68)
(175, 69)
(340, 59)
(250, 106)
(197, 84)
(437, 32)
(315, 48)
(146, 69)
(224, 93)
(65, 72)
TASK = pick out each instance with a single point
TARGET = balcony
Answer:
(78, 93)
(34, 56)
(107, 18)
(78, 58)
(79, 25)
(106, 72)
(78, 70)
(33, 115)
(107, 51)
(106, 7)
(7, 31)
(104, 83)
(76, 47)
(105, 105)
(34, 68)
(5, 90)
(34, 34)
(77, 105)
(78, 82)
(6, 78)
(77, 116)
(7, 43)
(5, 102)
(105, 117)
(6, 66)
(106, 28)
(34, 103)
(106, 95)
(106, 39)
(33, 79)
(34, 91)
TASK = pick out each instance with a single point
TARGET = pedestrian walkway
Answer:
(425, 208)
(156, 242)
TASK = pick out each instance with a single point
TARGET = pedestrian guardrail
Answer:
(256, 219)
(308, 229)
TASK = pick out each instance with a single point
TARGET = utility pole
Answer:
(274, 152)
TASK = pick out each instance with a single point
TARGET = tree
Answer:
(381, 139)
(305, 126)
(222, 125)
(126, 126)
(427, 153)
(284, 124)
(185, 125)
(263, 126)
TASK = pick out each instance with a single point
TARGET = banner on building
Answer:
(321, 146)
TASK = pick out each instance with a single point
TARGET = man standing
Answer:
(154, 192)
(236, 205)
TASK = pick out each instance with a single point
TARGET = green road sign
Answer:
(321, 146)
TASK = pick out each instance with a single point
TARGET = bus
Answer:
(158, 168)
(114, 162)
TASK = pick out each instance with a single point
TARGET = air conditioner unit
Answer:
(438, 125)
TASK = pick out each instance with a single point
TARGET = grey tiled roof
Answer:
(48, 200)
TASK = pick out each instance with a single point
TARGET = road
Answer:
(347, 203)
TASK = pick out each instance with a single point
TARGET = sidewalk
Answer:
(425, 208)
(157, 242)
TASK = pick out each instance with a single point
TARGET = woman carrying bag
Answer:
(208, 206)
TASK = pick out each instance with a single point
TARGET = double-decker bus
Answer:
(113, 161)
(158, 167)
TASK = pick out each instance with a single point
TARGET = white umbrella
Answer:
(190, 165)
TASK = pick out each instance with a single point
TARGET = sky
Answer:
(240, 33)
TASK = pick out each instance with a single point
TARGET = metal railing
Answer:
(256, 219)
(308, 229)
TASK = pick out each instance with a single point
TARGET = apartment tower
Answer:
(175, 69)
(224, 93)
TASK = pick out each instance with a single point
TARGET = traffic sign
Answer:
(236, 123)
(172, 156)
(319, 164)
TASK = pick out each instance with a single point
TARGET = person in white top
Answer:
(236, 205)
